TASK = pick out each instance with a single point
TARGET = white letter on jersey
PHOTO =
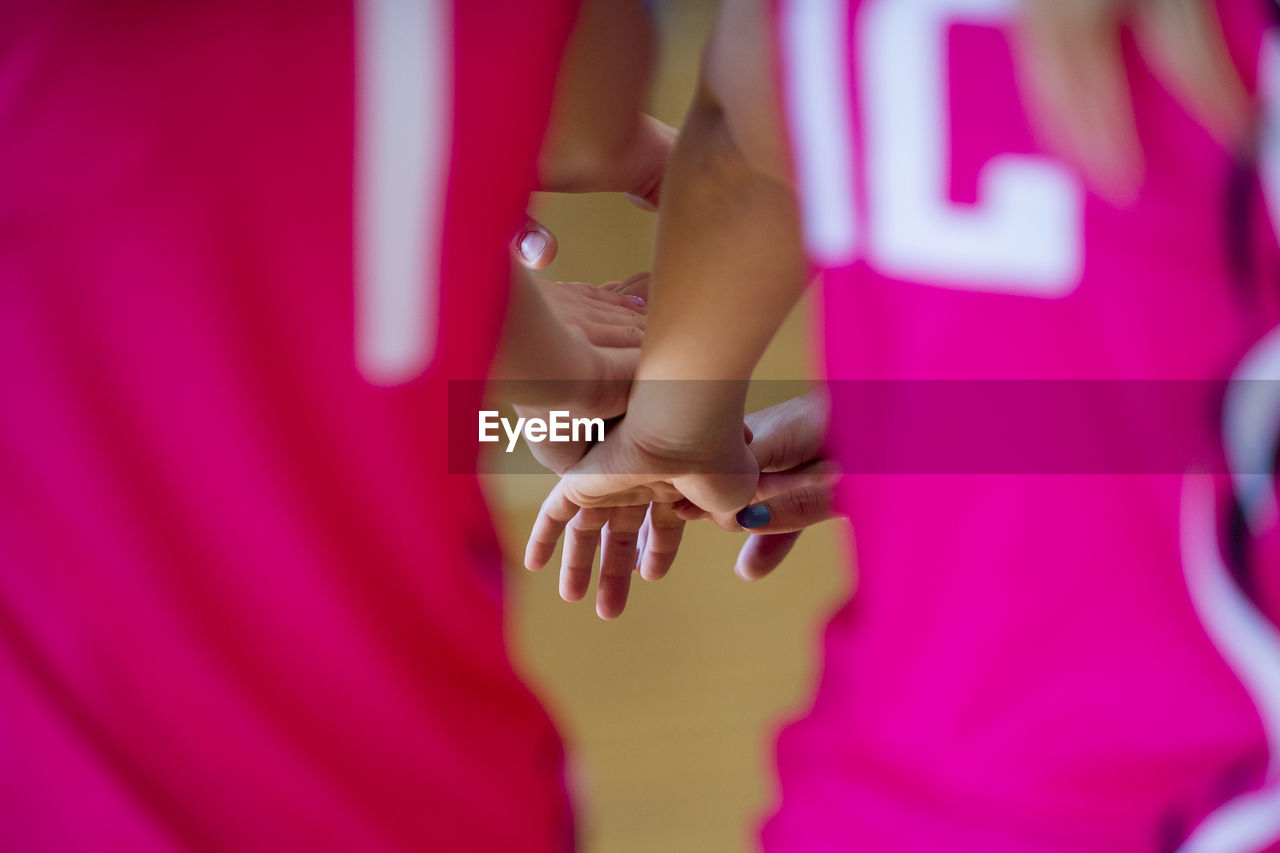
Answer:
(404, 102)
(814, 34)
(1025, 234)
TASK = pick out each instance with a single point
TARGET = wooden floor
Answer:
(670, 711)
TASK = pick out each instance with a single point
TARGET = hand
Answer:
(630, 538)
(641, 529)
(636, 171)
(718, 473)
(635, 166)
(545, 361)
(611, 314)
(611, 317)
(797, 483)
(795, 491)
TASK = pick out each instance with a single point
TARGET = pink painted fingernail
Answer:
(532, 245)
(638, 300)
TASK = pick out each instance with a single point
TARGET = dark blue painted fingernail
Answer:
(753, 516)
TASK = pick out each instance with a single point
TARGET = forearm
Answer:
(598, 139)
(727, 270)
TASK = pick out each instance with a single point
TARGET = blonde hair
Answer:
(1074, 76)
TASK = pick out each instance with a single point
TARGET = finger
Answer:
(534, 245)
(791, 433)
(636, 288)
(618, 293)
(618, 560)
(556, 511)
(641, 543)
(610, 314)
(718, 492)
(824, 472)
(621, 538)
(666, 529)
(822, 475)
(645, 204)
(581, 539)
(688, 510)
(793, 510)
(614, 335)
(760, 555)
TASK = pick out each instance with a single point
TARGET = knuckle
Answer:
(801, 503)
(582, 526)
(805, 502)
(622, 539)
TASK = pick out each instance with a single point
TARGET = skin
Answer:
(729, 248)
(586, 345)
(796, 486)
(586, 338)
(599, 140)
(582, 338)
(611, 315)
(797, 481)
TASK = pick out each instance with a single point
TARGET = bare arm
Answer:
(599, 140)
(729, 266)
(729, 262)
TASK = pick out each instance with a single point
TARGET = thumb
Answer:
(790, 511)
(718, 492)
(760, 555)
(534, 246)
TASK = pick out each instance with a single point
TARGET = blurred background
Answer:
(670, 712)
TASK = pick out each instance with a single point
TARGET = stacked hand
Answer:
(632, 501)
(626, 485)
(796, 487)
(631, 496)
(607, 320)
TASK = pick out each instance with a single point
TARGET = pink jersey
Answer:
(243, 245)
(1052, 659)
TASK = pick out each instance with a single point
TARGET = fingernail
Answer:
(638, 300)
(753, 516)
(643, 204)
(532, 245)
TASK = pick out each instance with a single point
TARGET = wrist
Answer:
(685, 417)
